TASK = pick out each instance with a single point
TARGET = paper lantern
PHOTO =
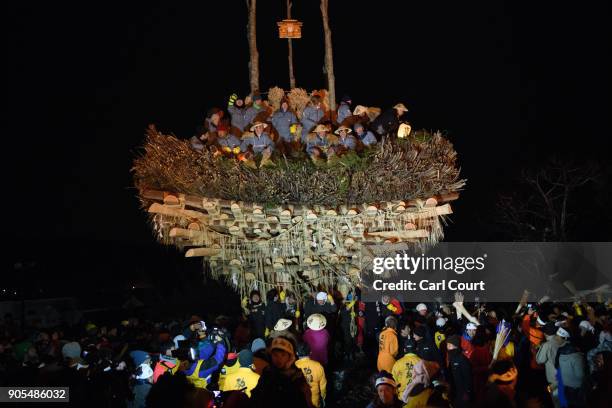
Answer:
(289, 29)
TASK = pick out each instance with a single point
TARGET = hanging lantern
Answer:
(289, 29)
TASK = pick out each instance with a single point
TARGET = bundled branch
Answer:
(394, 170)
(503, 332)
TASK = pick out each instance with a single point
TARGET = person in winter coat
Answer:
(388, 306)
(365, 136)
(317, 142)
(244, 378)
(605, 344)
(143, 383)
(460, 372)
(282, 384)
(571, 373)
(348, 326)
(345, 141)
(387, 345)
(388, 121)
(322, 303)
(386, 392)
(313, 372)
(274, 309)
(255, 311)
(317, 337)
(282, 120)
(402, 369)
(210, 357)
(417, 393)
(260, 141)
(227, 141)
(344, 109)
(313, 115)
(547, 352)
(481, 360)
(466, 339)
(238, 114)
(426, 349)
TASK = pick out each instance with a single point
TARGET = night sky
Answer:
(510, 83)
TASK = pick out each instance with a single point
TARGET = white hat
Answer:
(321, 128)
(256, 124)
(385, 380)
(440, 321)
(470, 326)
(321, 296)
(145, 372)
(561, 332)
(316, 322)
(421, 306)
(282, 324)
(345, 128)
(586, 326)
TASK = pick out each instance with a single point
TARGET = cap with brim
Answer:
(258, 344)
(321, 128)
(316, 322)
(282, 324)
(282, 344)
(561, 332)
(347, 129)
(257, 124)
(421, 306)
(471, 326)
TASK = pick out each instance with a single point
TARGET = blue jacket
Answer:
(310, 117)
(368, 138)
(239, 117)
(250, 114)
(213, 355)
(344, 111)
(349, 142)
(259, 143)
(230, 141)
(282, 121)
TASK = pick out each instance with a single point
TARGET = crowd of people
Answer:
(283, 349)
(255, 128)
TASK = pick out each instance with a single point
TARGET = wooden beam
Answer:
(195, 252)
(186, 233)
(157, 208)
(399, 234)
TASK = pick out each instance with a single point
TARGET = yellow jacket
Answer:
(315, 376)
(243, 377)
(227, 370)
(387, 349)
(402, 371)
(419, 401)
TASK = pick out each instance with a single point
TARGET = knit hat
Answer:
(420, 331)
(71, 350)
(321, 296)
(440, 321)
(281, 343)
(245, 358)
(561, 332)
(421, 306)
(139, 357)
(258, 344)
(455, 340)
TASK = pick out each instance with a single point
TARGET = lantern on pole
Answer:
(289, 29)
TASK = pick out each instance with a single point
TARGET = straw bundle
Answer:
(275, 96)
(503, 332)
(298, 100)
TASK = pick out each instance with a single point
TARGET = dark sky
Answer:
(511, 83)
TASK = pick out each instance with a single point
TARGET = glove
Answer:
(232, 99)
(391, 308)
(282, 296)
(267, 333)
(226, 149)
(577, 309)
(293, 129)
(297, 314)
(236, 150)
(330, 299)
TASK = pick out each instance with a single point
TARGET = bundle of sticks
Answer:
(503, 332)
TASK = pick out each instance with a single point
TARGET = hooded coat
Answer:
(282, 388)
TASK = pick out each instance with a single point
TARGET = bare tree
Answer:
(290, 45)
(329, 60)
(541, 211)
(254, 54)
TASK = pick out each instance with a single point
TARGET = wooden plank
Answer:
(399, 234)
(157, 208)
(186, 233)
(193, 252)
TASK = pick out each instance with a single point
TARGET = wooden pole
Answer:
(254, 54)
(329, 60)
(290, 46)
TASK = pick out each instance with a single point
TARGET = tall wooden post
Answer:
(290, 45)
(329, 60)
(254, 54)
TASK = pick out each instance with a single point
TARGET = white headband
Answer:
(385, 380)
(563, 333)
